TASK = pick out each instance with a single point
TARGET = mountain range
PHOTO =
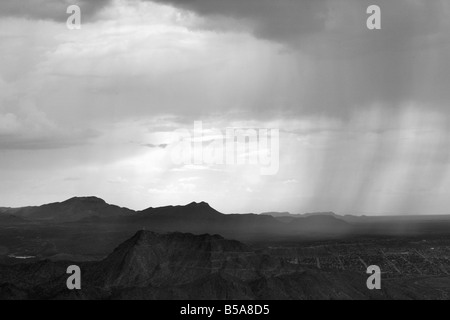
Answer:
(194, 217)
(87, 228)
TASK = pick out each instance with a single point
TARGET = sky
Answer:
(363, 115)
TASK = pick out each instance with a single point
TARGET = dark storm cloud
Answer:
(347, 66)
(286, 21)
(46, 142)
(353, 66)
(279, 20)
(49, 9)
(290, 20)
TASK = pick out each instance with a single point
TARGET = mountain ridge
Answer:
(70, 210)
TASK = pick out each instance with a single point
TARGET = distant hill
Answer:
(192, 210)
(202, 218)
(74, 209)
(330, 214)
(288, 217)
(287, 214)
(321, 224)
(277, 214)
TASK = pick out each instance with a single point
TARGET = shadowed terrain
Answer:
(185, 266)
(182, 256)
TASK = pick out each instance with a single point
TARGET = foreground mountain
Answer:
(185, 266)
(165, 260)
(152, 266)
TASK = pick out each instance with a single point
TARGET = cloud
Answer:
(49, 9)
(49, 140)
(153, 146)
(29, 128)
(270, 19)
(339, 65)
(8, 124)
(334, 65)
(294, 21)
(72, 179)
(290, 181)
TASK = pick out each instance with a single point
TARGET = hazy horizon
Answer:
(355, 214)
